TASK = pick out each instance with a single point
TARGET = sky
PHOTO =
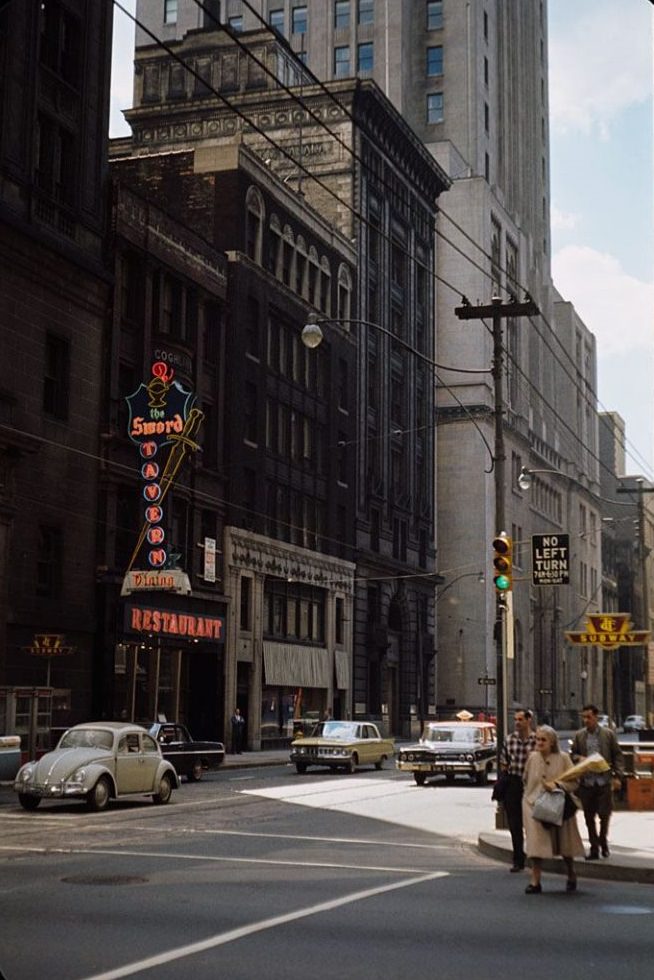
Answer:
(602, 188)
(601, 76)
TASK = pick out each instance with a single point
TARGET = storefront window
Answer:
(289, 711)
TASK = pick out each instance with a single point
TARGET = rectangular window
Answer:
(434, 15)
(486, 117)
(236, 24)
(366, 11)
(365, 57)
(342, 61)
(170, 11)
(246, 602)
(276, 19)
(339, 630)
(435, 61)
(435, 107)
(56, 376)
(250, 413)
(299, 20)
(49, 561)
(341, 14)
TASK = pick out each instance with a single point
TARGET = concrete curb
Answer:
(623, 865)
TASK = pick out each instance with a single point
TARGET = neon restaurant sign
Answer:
(161, 414)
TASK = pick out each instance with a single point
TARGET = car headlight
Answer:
(78, 776)
(27, 773)
(470, 757)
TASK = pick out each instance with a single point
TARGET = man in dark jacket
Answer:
(596, 788)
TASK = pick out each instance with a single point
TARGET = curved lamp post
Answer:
(480, 578)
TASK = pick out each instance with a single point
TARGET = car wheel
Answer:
(380, 763)
(481, 778)
(195, 774)
(98, 798)
(165, 789)
(352, 764)
(301, 767)
(449, 777)
(420, 778)
(28, 802)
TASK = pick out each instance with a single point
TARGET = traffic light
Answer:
(503, 563)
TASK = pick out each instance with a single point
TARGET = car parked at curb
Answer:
(190, 758)
(98, 762)
(633, 723)
(451, 748)
(342, 745)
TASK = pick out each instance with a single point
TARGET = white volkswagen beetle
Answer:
(98, 762)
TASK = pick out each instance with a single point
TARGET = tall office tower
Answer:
(471, 79)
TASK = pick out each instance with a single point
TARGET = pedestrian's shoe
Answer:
(571, 885)
(516, 867)
(533, 890)
(605, 851)
(593, 854)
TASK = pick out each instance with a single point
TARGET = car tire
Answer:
(352, 764)
(420, 778)
(28, 802)
(449, 777)
(301, 767)
(380, 763)
(165, 790)
(195, 774)
(98, 798)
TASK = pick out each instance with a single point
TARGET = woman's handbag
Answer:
(549, 807)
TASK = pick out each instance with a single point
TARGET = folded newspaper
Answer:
(592, 763)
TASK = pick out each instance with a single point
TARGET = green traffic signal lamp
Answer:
(503, 563)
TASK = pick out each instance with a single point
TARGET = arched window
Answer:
(314, 278)
(325, 286)
(288, 258)
(301, 268)
(344, 311)
(255, 212)
(275, 254)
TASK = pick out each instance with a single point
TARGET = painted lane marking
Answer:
(221, 939)
(107, 852)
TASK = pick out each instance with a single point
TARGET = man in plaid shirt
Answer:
(513, 759)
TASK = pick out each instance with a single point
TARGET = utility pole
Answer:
(497, 311)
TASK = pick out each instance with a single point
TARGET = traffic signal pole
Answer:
(497, 311)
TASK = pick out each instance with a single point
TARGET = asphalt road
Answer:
(224, 882)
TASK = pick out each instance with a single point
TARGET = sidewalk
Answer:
(631, 833)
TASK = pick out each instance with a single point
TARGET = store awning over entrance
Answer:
(293, 665)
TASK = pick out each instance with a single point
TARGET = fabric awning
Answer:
(294, 665)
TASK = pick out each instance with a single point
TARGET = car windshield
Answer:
(453, 735)
(86, 738)
(335, 729)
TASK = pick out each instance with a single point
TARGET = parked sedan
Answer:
(449, 748)
(342, 745)
(189, 758)
(634, 723)
(97, 762)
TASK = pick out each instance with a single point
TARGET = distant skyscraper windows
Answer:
(276, 19)
(342, 61)
(435, 107)
(299, 20)
(434, 15)
(366, 11)
(341, 14)
(435, 61)
(365, 57)
(170, 11)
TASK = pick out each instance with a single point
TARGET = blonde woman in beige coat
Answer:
(544, 767)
